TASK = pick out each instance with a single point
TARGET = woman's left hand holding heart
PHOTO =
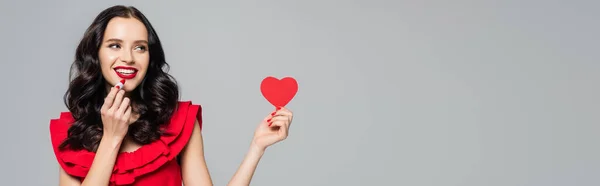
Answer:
(273, 128)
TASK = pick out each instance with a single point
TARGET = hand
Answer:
(115, 113)
(274, 128)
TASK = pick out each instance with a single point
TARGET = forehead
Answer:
(126, 29)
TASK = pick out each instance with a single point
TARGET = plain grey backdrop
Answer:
(419, 93)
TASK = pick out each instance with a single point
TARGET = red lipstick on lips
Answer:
(126, 76)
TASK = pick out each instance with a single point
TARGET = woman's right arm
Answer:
(104, 161)
(102, 166)
(65, 179)
(115, 119)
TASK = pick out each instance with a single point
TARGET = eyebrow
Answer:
(120, 41)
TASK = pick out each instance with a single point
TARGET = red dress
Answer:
(151, 164)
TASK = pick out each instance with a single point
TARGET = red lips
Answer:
(126, 75)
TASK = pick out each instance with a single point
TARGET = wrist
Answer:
(112, 140)
(255, 149)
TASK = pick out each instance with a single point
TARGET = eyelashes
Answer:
(118, 46)
(141, 47)
(114, 46)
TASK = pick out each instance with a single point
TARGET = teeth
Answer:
(125, 71)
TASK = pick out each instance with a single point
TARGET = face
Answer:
(124, 52)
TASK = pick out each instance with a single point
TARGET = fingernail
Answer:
(118, 87)
(270, 124)
(273, 113)
(269, 120)
(278, 107)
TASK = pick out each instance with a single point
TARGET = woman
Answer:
(137, 132)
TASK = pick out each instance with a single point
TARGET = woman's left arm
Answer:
(193, 165)
(274, 128)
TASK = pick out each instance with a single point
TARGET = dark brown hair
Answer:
(155, 99)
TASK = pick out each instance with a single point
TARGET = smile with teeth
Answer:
(126, 72)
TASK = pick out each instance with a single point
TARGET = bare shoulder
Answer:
(196, 142)
(193, 165)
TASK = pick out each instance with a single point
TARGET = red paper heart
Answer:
(279, 92)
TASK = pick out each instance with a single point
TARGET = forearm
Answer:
(244, 174)
(104, 161)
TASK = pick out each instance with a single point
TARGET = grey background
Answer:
(416, 93)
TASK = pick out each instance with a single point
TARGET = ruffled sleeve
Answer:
(130, 165)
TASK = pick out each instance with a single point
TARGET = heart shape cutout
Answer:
(279, 92)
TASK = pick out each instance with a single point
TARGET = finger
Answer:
(280, 112)
(269, 116)
(124, 105)
(286, 114)
(284, 122)
(283, 112)
(108, 101)
(277, 123)
(273, 113)
(283, 109)
(127, 115)
(278, 118)
(282, 127)
(118, 100)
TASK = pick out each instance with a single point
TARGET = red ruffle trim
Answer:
(129, 165)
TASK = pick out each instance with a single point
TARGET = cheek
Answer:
(106, 59)
(143, 60)
(106, 63)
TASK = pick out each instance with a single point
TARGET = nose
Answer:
(126, 56)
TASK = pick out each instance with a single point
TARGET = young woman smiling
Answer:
(126, 124)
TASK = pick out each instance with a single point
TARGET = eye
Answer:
(114, 45)
(142, 48)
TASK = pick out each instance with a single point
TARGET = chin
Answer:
(130, 86)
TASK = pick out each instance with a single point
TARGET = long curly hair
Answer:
(155, 99)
